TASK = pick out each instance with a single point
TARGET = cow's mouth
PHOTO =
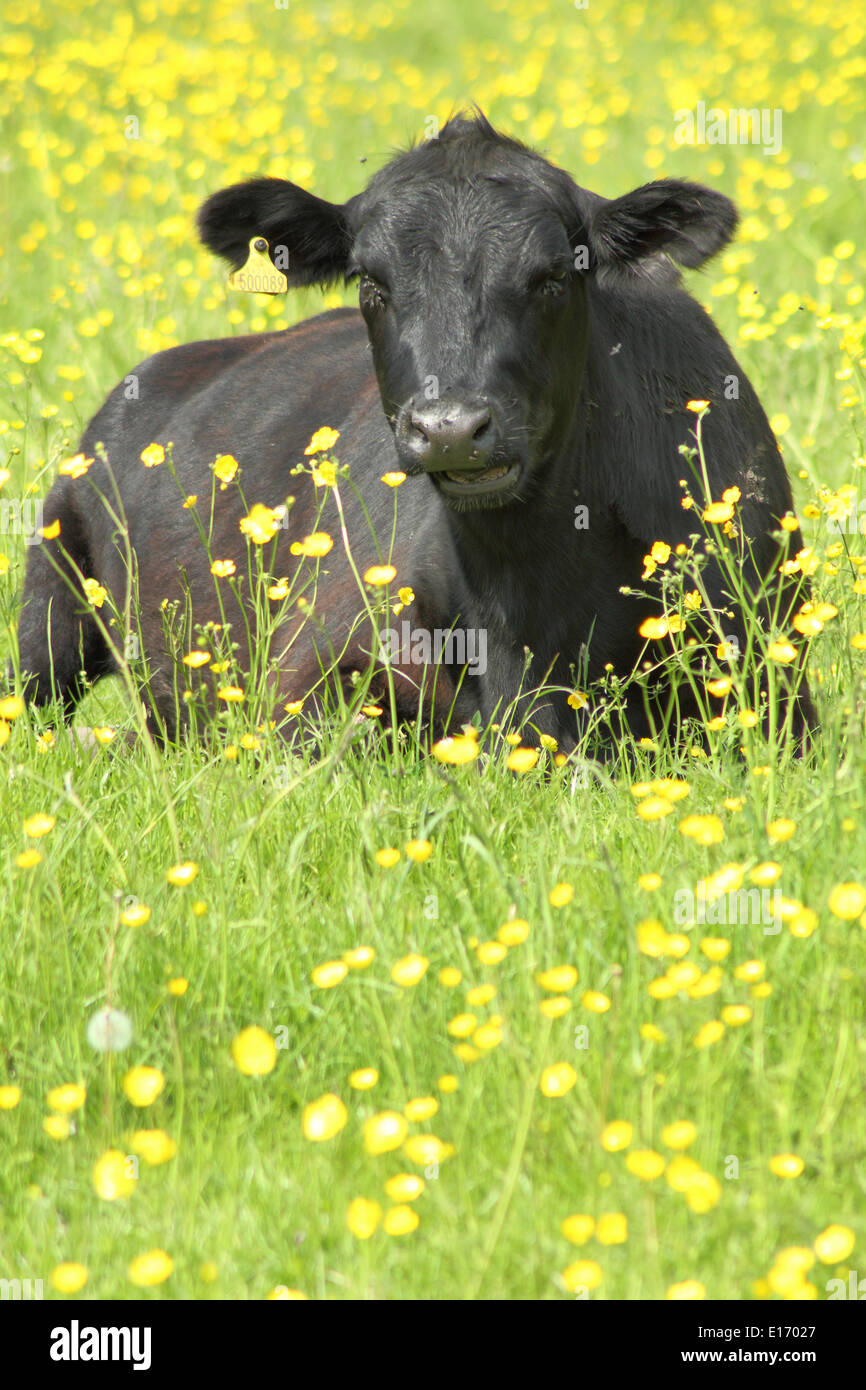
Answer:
(478, 482)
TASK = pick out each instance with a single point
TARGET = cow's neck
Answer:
(517, 558)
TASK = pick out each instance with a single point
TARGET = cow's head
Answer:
(473, 256)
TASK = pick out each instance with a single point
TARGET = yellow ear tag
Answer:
(259, 275)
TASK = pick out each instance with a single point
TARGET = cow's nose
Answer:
(448, 435)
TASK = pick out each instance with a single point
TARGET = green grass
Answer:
(285, 847)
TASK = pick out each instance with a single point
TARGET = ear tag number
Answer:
(259, 275)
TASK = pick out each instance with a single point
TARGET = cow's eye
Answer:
(373, 295)
(553, 284)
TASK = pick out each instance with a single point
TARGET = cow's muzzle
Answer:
(455, 438)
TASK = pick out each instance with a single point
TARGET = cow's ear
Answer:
(314, 233)
(687, 222)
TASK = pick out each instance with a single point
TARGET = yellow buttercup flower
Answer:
(142, 1085)
(645, 1164)
(400, 1221)
(254, 1052)
(362, 1217)
(324, 438)
(583, 1274)
(522, 759)
(225, 468)
(847, 901)
(718, 512)
(324, 474)
(560, 895)
(686, 1290)
(424, 1149)
(578, 1228)
(654, 808)
(262, 524)
(649, 882)
(513, 933)
(68, 1277)
(404, 1187)
(77, 466)
(611, 1228)
(421, 1108)
(359, 958)
(135, 916)
(557, 1080)
(408, 971)
(559, 978)
(153, 1145)
(834, 1245)
(450, 977)
(735, 1015)
(616, 1136)
(379, 575)
(750, 970)
(786, 1165)
(363, 1079)
(113, 1176)
(707, 830)
(387, 858)
(679, 1135)
(456, 750)
(418, 851)
(384, 1132)
(554, 1006)
(181, 874)
(710, 1033)
(323, 1118)
(330, 974)
(480, 995)
(150, 1269)
(314, 546)
(783, 652)
(703, 1192)
(94, 592)
(491, 952)
(57, 1127)
(654, 629)
(66, 1099)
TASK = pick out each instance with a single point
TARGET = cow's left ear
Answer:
(314, 233)
(687, 222)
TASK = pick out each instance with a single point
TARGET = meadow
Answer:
(399, 1022)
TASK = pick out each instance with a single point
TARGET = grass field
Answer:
(693, 1097)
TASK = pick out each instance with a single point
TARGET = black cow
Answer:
(523, 348)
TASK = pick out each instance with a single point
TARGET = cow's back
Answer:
(227, 381)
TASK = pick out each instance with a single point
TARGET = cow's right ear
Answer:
(315, 233)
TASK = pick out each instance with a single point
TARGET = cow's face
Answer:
(474, 259)
(477, 319)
